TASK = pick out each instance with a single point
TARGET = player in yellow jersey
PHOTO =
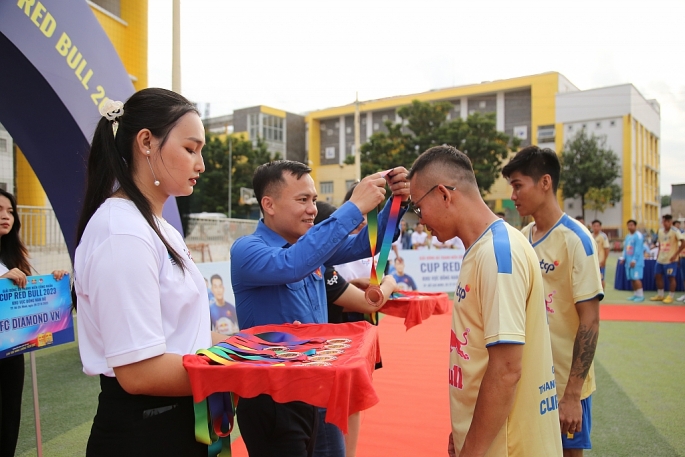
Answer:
(503, 400)
(573, 287)
(603, 247)
(671, 242)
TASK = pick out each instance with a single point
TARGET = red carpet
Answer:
(412, 417)
(642, 313)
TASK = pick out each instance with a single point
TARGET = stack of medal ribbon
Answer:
(214, 416)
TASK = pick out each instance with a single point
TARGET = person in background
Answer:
(343, 297)
(501, 215)
(501, 376)
(681, 263)
(634, 260)
(420, 238)
(141, 300)
(581, 219)
(222, 313)
(602, 241)
(15, 266)
(573, 287)
(671, 243)
(404, 241)
(359, 271)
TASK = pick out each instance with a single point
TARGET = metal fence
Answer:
(40, 228)
(209, 239)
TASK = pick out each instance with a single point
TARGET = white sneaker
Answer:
(681, 298)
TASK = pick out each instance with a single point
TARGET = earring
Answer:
(150, 165)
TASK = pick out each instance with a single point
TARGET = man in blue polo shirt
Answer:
(277, 277)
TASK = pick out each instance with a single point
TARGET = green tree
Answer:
(665, 200)
(598, 200)
(211, 191)
(589, 170)
(425, 125)
(477, 137)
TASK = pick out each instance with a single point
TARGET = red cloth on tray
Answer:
(343, 388)
(417, 306)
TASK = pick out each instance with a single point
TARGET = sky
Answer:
(304, 55)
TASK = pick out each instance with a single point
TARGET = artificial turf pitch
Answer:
(638, 409)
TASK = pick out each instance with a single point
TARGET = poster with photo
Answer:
(430, 270)
(221, 299)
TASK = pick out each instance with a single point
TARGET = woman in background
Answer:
(14, 265)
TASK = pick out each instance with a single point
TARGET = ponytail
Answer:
(110, 163)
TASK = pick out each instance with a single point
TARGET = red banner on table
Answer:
(415, 306)
(344, 388)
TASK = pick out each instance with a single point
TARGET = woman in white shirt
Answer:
(142, 303)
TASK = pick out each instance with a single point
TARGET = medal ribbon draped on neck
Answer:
(374, 294)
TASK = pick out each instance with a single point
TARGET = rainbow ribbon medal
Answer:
(374, 294)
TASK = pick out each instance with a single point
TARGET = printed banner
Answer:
(36, 316)
(429, 270)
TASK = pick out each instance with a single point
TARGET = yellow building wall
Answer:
(129, 38)
(30, 192)
(543, 112)
(627, 200)
(640, 175)
(272, 111)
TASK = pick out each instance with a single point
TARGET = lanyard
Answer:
(214, 416)
(374, 294)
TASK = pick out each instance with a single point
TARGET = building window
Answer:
(3, 145)
(521, 132)
(330, 152)
(612, 123)
(326, 187)
(375, 126)
(349, 183)
(273, 128)
(329, 132)
(253, 126)
(546, 134)
(348, 129)
(598, 125)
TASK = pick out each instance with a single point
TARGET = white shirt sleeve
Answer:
(126, 301)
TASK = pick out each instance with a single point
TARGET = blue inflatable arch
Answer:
(56, 66)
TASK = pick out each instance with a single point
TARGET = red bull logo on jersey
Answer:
(549, 299)
(456, 377)
(548, 267)
(456, 344)
(461, 292)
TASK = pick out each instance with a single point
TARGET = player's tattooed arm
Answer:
(586, 338)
